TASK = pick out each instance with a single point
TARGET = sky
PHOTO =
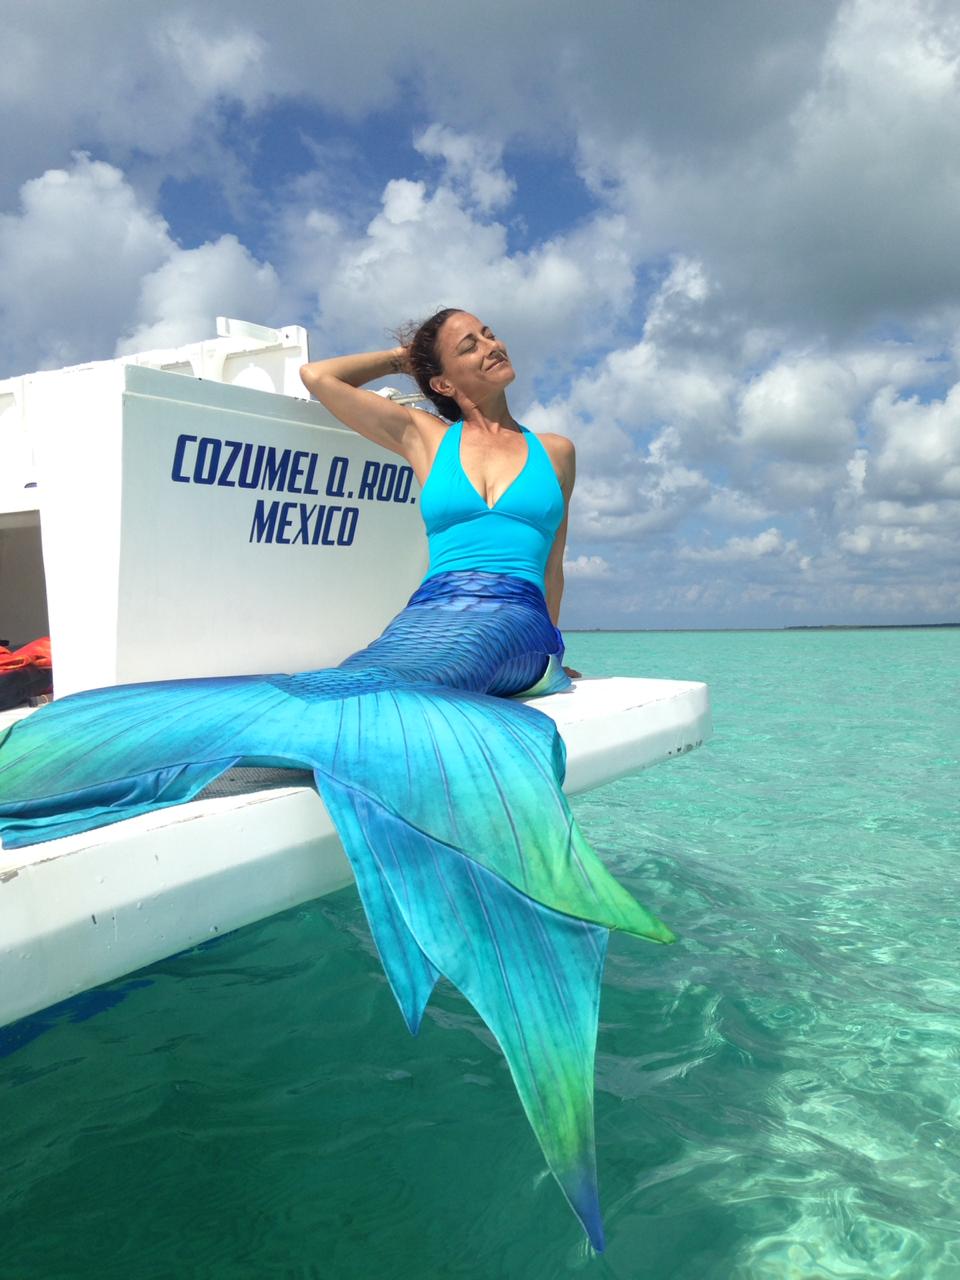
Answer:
(720, 241)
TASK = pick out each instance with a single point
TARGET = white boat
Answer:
(190, 513)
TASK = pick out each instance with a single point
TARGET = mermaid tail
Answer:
(531, 973)
(448, 802)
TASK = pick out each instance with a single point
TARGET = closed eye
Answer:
(469, 343)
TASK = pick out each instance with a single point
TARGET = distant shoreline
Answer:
(826, 626)
(873, 626)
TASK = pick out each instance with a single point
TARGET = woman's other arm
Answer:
(553, 578)
(564, 459)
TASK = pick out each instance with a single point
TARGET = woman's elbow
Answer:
(310, 374)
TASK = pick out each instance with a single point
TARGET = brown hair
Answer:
(420, 341)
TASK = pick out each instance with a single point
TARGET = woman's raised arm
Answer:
(338, 385)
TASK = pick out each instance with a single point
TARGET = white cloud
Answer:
(741, 444)
(214, 62)
(431, 246)
(664, 389)
(180, 300)
(919, 447)
(770, 542)
(800, 411)
(102, 77)
(839, 210)
(866, 539)
(86, 260)
(71, 263)
(637, 494)
(586, 568)
(733, 507)
(809, 166)
(471, 162)
(922, 514)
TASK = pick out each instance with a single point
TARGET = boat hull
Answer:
(87, 909)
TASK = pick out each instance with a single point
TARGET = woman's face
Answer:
(475, 364)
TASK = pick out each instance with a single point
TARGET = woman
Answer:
(448, 801)
(464, 370)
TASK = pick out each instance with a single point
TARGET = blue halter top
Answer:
(513, 536)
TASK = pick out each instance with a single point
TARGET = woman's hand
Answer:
(574, 675)
(401, 361)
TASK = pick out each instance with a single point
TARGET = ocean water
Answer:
(778, 1094)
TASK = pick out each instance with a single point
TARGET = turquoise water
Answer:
(778, 1095)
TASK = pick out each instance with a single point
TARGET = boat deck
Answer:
(86, 909)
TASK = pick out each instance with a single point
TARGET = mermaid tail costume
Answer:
(448, 800)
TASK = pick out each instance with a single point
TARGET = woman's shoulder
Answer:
(560, 448)
(562, 445)
(563, 455)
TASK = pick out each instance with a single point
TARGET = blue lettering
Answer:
(264, 522)
(275, 470)
(318, 525)
(308, 486)
(296, 470)
(405, 478)
(305, 514)
(371, 470)
(385, 482)
(325, 537)
(245, 479)
(177, 472)
(388, 472)
(204, 472)
(348, 525)
(233, 450)
(286, 518)
(404, 481)
(337, 477)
